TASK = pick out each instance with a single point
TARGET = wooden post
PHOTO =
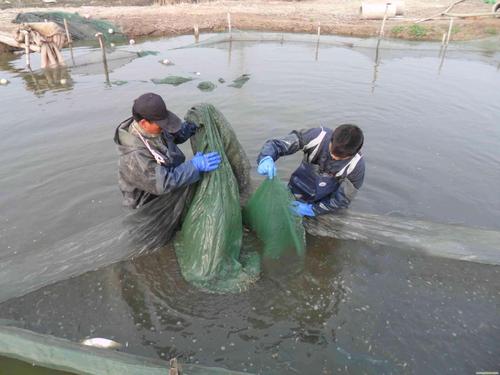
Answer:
(319, 30)
(70, 41)
(27, 49)
(104, 60)
(196, 33)
(443, 40)
(449, 31)
(229, 24)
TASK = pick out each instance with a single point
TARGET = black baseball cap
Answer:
(152, 107)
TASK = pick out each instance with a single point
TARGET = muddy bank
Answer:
(336, 17)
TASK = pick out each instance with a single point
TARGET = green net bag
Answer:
(209, 242)
(268, 214)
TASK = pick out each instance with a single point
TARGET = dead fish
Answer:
(99, 342)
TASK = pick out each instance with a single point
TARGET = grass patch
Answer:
(397, 29)
(491, 31)
(417, 31)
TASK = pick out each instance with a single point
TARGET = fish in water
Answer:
(98, 342)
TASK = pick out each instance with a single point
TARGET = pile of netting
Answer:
(80, 28)
(209, 244)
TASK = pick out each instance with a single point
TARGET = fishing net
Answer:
(240, 81)
(209, 243)
(206, 86)
(171, 80)
(80, 28)
(268, 214)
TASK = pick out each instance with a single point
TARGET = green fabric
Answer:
(79, 27)
(268, 214)
(206, 86)
(50, 352)
(171, 80)
(209, 243)
(147, 53)
(240, 81)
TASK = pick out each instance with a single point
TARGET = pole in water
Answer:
(27, 49)
(196, 33)
(449, 31)
(70, 41)
(104, 61)
(319, 30)
(229, 24)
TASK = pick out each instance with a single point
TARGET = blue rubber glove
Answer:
(302, 209)
(206, 162)
(267, 167)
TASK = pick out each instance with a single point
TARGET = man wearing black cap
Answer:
(150, 163)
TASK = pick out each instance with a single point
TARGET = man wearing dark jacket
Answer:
(331, 172)
(150, 163)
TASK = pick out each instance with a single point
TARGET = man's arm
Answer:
(288, 145)
(143, 172)
(344, 195)
(186, 131)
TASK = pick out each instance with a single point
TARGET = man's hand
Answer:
(267, 167)
(206, 162)
(302, 209)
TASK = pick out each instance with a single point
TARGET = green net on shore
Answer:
(209, 244)
(79, 27)
(268, 214)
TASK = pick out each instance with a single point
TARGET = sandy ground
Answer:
(335, 16)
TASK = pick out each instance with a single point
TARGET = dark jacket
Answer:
(345, 176)
(140, 178)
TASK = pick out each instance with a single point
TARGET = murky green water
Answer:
(432, 151)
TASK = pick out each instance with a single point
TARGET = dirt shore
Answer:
(339, 17)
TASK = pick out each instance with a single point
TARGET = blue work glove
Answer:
(267, 167)
(302, 209)
(206, 162)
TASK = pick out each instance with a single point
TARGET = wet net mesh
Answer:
(79, 27)
(268, 214)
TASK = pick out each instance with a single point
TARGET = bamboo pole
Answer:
(229, 23)
(449, 32)
(196, 33)
(104, 60)
(443, 40)
(319, 30)
(381, 33)
(70, 41)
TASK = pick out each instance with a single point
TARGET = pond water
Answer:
(432, 151)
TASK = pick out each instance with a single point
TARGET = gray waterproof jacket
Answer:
(140, 177)
(349, 174)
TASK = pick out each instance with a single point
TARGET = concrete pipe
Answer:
(400, 7)
(376, 11)
(496, 7)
